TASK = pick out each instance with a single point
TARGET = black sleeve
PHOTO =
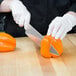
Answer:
(73, 5)
(2, 19)
(1, 1)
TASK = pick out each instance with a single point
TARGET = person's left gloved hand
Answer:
(61, 25)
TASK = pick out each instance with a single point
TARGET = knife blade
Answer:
(33, 34)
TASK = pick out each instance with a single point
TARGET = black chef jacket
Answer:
(42, 13)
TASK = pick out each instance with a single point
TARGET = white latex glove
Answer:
(61, 25)
(20, 13)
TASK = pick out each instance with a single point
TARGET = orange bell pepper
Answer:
(46, 45)
(7, 42)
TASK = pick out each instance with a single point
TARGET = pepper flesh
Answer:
(7, 42)
(46, 43)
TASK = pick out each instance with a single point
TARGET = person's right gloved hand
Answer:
(20, 13)
(61, 25)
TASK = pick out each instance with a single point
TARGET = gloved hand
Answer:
(20, 13)
(61, 25)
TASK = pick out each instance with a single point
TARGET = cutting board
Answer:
(27, 61)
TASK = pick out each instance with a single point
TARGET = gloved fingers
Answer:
(16, 19)
(28, 16)
(26, 26)
(68, 28)
(52, 26)
(27, 21)
(56, 28)
(60, 31)
(63, 31)
(21, 21)
(50, 29)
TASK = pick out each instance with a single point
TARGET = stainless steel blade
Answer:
(32, 33)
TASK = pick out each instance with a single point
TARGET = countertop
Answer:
(27, 61)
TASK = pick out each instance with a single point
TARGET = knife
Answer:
(33, 34)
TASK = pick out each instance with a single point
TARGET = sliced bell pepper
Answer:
(7, 42)
(51, 47)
